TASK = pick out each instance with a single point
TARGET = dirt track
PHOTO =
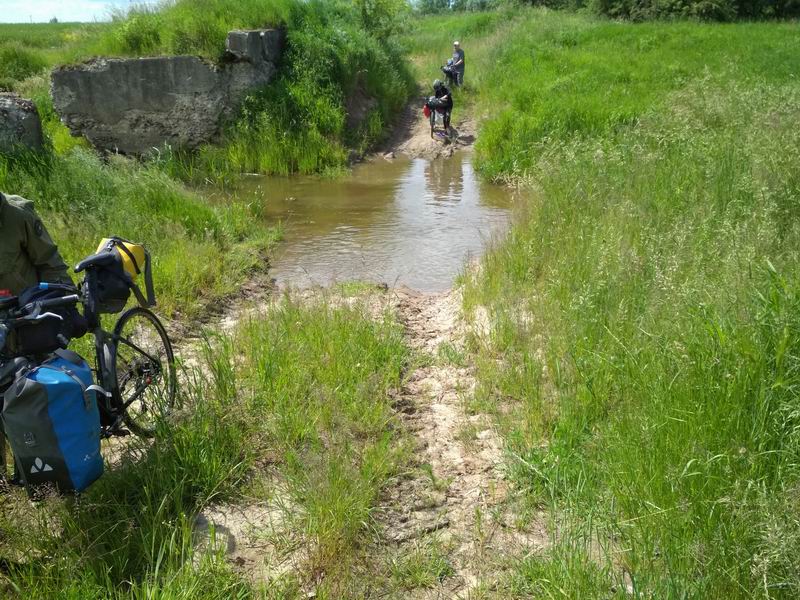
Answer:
(412, 136)
(456, 492)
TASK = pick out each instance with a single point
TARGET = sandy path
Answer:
(457, 491)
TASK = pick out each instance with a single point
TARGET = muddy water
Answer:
(412, 222)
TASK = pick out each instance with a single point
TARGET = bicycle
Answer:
(134, 363)
(437, 113)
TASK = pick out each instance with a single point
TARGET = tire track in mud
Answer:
(456, 495)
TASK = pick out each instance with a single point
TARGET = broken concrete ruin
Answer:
(133, 106)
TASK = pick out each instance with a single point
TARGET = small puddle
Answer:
(406, 221)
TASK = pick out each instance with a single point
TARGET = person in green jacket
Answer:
(28, 256)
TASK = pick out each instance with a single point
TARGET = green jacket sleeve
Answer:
(43, 252)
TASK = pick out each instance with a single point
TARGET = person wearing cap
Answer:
(458, 63)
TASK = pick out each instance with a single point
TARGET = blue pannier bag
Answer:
(52, 423)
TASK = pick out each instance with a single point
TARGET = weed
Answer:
(425, 565)
(81, 200)
(448, 354)
(307, 387)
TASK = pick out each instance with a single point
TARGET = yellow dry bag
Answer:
(134, 259)
(133, 256)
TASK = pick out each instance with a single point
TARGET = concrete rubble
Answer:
(20, 126)
(136, 106)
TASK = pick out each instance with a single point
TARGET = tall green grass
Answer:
(27, 50)
(320, 379)
(201, 251)
(302, 391)
(645, 337)
(582, 77)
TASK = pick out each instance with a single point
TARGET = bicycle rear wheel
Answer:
(143, 369)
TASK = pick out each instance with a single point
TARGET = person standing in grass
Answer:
(28, 254)
(458, 63)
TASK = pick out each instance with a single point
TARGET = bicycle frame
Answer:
(103, 342)
(104, 376)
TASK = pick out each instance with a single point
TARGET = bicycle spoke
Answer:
(137, 348)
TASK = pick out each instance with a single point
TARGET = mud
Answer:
(412, 136)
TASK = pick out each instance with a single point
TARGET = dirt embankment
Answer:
(412, 136)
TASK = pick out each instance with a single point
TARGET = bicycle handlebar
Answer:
(72, 299)
(37, 310)
(34, 312)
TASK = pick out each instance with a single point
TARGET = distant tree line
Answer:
(639, 10)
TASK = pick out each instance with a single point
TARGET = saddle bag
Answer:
(52, 423)
(115, 278)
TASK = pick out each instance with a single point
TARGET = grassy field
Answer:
(645, 332)
(644, 305)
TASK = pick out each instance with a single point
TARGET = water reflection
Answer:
(413, 222)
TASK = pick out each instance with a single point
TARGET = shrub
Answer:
(140, 33)
(712, 10)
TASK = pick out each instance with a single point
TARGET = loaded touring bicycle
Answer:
(53, 412)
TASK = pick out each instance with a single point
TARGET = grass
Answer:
(643, 356)
(27, 50)
(644, 304)
(303, 391)
(423, 566)
(585, 78)
(338, 55)
(294, 403)
(201, 251)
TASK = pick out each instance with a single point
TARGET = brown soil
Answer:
(457, 491)
(257, 537)
(412, 136)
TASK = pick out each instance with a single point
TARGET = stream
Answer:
(413, 222)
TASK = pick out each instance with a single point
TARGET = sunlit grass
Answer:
(644, 338)
(304, 388)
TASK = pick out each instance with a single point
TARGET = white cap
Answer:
(456, 43)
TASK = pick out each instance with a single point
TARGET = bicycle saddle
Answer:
(95, 260)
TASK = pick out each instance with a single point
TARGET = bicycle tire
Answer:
(142, 370)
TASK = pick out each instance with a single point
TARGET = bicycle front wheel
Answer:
(144, 371)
